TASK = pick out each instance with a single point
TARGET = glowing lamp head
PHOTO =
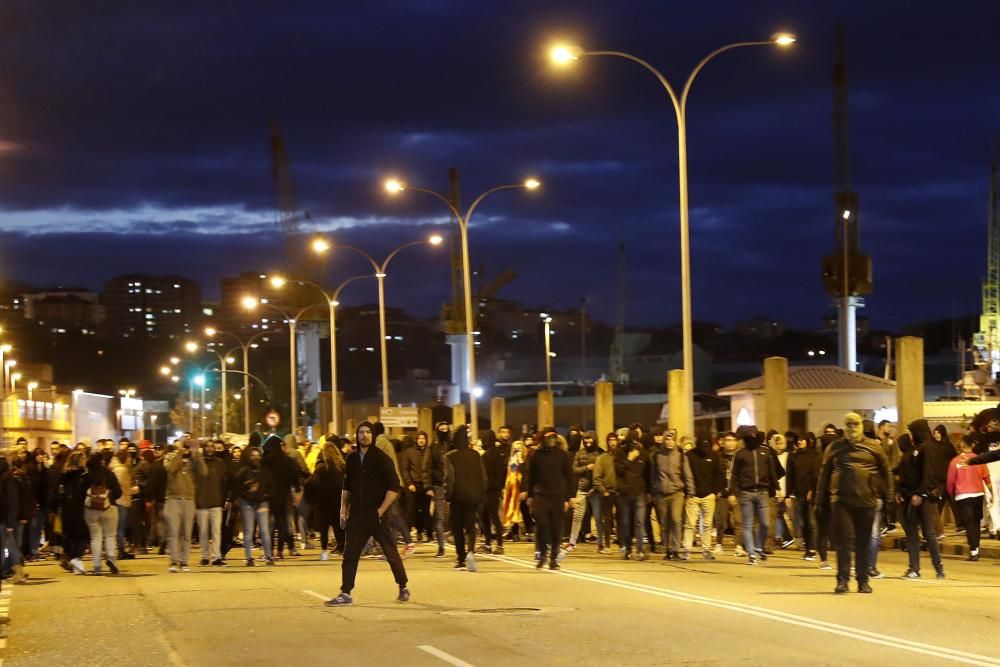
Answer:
(394, 186)
(320, 246)
(15, 377)
(210, 331)
(783, 39)
(277, 282)
(564, 54)
(164, 370)
(32, 386)
(175, 360)
(532, 184)
(199, 380)
(5, 348)
(249, 302)
(846, 215)
(435, 240)
(230, 360)
(191, 346)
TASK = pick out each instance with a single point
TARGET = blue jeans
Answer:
(439, 515)
(255, 515)
(35, 528)
(752, 502)
(876, 542)
(632, 521)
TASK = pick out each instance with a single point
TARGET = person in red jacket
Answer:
(968, 485)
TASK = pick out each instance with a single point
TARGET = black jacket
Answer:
(753, 470)
(803, 472)
(369, 479)
(495, 462)
(855, 474)
(434, 464)
(921, 472)
(323, 488)
(411, 465)
(631, 475)
(466, 478)
(254, 484)
(707, 478)
(549, 475)
(100, 475)
(585, 456)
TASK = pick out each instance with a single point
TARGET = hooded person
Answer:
(921, 488)
(550, 487)
(753, 481)
(442, 434)
(854, 484)
(704, 483)
(411, 464)
(397, 522)
(466, 486)
(495, 457)
(587, 497)
(434, 474)
(286, 481)
(800, 482)
(371, 487)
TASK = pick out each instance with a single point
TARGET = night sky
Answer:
(134, 137)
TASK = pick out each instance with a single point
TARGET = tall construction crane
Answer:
(847, 274)
(987, 342)
(617, 370)
(288, 211)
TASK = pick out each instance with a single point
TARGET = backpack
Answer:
(98, 497)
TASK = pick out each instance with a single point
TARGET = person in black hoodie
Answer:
(854, 481)
(704, 484)
(946, 451)
(921, 487)
(550, 486)
(100, 491)
(285, 481)
(371, 486)
(803, 473)
(252, 488)
(466, 484)
(435, 471)
(584, 463)
(69, 499)
(323, 490)
(630, 472)
(411, 466)
(53, 474)
(755, 479)
(495, 456)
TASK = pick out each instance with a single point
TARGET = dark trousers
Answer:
(492, 524)
(463, 528)
(970, 515)
(922, 519)
(852, 531)
(279, 519)
(823, 521)
(362, 525)
(608, 514)
(548, 513)
(328, 520)
(420, 511)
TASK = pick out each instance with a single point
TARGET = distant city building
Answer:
(759, 327)
(147, 306)
(231, 315)
(63, 310)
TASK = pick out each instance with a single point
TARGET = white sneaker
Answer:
(470, 562)
(718, 550)
(173, 568)
(324, 555)
(77, 566)
(561, 556)
(739, 552)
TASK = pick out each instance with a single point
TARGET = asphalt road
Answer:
(598, 610)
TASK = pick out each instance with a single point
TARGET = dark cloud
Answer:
(151, 119)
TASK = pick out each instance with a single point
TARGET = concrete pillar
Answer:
(458, 414)
(337, 412)
(498, 413)
(425, 421)
(909, 379)
(775, 394)
(604, 410)
(546, 409)
(351, 427)
(676, 402)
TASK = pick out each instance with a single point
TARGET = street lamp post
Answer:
(4, 349)
(250, 303)
(547, 321)
(322, 246)
(394, 186)
(565, 55)
(152, 423)
(245, 346)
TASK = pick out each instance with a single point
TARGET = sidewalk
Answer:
(953, 544)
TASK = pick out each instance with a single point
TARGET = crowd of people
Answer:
(632, 492)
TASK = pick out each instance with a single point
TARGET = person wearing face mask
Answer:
(550, 486)
(727, 515)
(496, 452)
(411, 463)
(669, 477)
(584, 463)
(606, 489)
(704, 482)
(211, 496)
(434, 473)
(252, 488)
(853, 478)
(755, 479)
(801, 477)
(631, 464)
(921, 487)
(178, 507)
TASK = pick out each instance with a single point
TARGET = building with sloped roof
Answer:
(817, 395)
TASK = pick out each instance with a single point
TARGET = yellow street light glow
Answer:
(334, 303)
(564, 54)
(175, 360)
(278, 282)
(210, 331)
(237, 397)
(846, 215)
(32, 386)
(16, 376)
(6, 348)
(12, 362)
(783, 39)
(249, 302)
(191, 346)
(394, 186)
(230, 360)
(175, 378)
(532, 184)
(320, 245)
(435, 240)
(165, 370)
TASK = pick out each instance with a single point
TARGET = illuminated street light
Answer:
(320, 245)
(393, 186)
(210, 331)
(278, 282)
(165, 370)
(563, 54)
(191, 346)
(250, 302)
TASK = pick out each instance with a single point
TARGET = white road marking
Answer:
(780, 616)
(318, 596)
(447, 657)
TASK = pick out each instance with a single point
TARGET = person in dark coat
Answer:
(921, 487)
(551, 486)
(70, 503)
(802, 474)
(322, 490)
(252, 488)
(100, 492)
(466, 485)
(53, 475)
(286, 481)
(495, 456)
